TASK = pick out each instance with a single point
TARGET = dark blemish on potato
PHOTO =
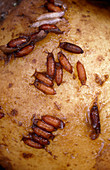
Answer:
(73, 2)
(10, 85)
(14, 112)
(2, 115)
(3, 29)
(68, 165)
(84, 16)
(0, 107)
(99, 80)
(100, 58)
(78, 30)
(27, 155)
(34, 61)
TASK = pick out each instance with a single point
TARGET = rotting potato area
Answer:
(72, 147)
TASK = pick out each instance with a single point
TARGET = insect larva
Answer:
(17, 42)
(64, 62)
(51, 15)
(81, 73)
(40, 140)
(31, 143)
(45, 89)
(70, 47)
(24, 51)
(43, 78)
(50, 28)
(53, 121)
(1, 115)
(52, 8)
(43, 125)
(42, 133)
(94, 117)
(58, 73)
(46, 21)
(50, 65)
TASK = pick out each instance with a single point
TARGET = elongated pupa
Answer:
(58, 73)
(31, 143)
(43, 125)
(24, 51)
(52, 8)
(1, 115)
(17, 42)
(70, 47)
(64, 62)
(45, 89)
(42, 133)
(50, 28)
(50, 65)
(40, 140)
(53, 121)
(95, 119)
(43, 78)
(81, 73)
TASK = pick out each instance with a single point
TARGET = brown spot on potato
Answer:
(100, 58)
(10, 85)
(14, 112)
(34, 61)
(27, 155)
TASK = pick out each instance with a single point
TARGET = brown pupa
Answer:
(43, 125)
(71, 47)
(53, 121)
(81, 73)
(58, 73)
(64, 62)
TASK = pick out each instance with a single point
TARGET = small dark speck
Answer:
(73, 2)
(3, 29)
(34, 61)
(14, 112)
(10, 85)
(27, 155)
(78, 30)
(68, 165)
(0, 107)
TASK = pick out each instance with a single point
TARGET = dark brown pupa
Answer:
(41, 124)
(95, 119)
(45, 89)
(51, 65)
(53, 121)
(41, 76)
(52, 8)
(32, 143)
(40, 140)
(64, 62)
(24, 51)
(58, 73)
(71, 47)
(17, 42)
(42, 133)
(81, 73)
